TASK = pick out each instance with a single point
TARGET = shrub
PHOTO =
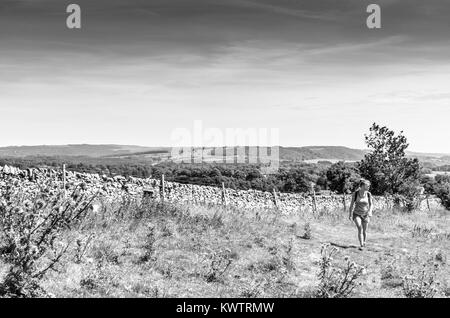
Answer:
(409, 194)
(421, 283)
(391, 276)
(253, 290)
(149, 244)
(30, 232)
(443, 193)
(336, 282)
(287, 257)
(308, 231)
(220, 263)
(422, 231)
(81, 248)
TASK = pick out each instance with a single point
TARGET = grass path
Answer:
(383, 248)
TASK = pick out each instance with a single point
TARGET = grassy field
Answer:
(196, 251)
(437, 173)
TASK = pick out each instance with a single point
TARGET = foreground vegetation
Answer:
(129, 249)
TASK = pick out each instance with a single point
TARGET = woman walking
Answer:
(361, 210)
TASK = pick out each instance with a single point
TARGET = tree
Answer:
(442, 179)
(322, 181)
(386, 166)
(342, 177)
(295, 180)
(428, 183)
(443, 193)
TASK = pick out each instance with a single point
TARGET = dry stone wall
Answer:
(117, 187)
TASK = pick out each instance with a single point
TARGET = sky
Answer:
(138, 70)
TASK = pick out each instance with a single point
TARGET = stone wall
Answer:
(117, 187)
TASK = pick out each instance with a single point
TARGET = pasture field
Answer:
(437, 173)
(128, 249)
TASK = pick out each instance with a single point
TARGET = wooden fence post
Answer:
(428, 203)
(314, 198)
(64, 180)
(162, 188)
(224, 196)
(31, 174)
(345, 203)
(388, 204)
(275, 198)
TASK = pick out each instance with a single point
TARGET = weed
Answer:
(421, 231)
(149, 245)
(421, 283)
(220, 263)
(30, 231)
(308, 231)
(334, 281)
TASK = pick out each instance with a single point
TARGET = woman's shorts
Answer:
(364, 218)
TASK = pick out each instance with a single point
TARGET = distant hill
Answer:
(321, 152)
(94, 151)
(431, 159)
(295, 154)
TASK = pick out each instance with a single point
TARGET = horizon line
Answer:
(141, 146)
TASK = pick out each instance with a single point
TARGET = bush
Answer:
(409, 196)
(30, 232)
(336, 282)
(219, 264)
(421, 283)
(422, 231)
(308, 231)
(443, 193)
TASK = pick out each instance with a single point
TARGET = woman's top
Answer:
(362, 204)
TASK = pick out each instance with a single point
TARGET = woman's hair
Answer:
(364, 182)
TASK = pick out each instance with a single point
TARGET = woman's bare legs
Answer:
(365, 226)
(359, 225)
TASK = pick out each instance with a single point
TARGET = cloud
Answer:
(274, 7)
(283, 63)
